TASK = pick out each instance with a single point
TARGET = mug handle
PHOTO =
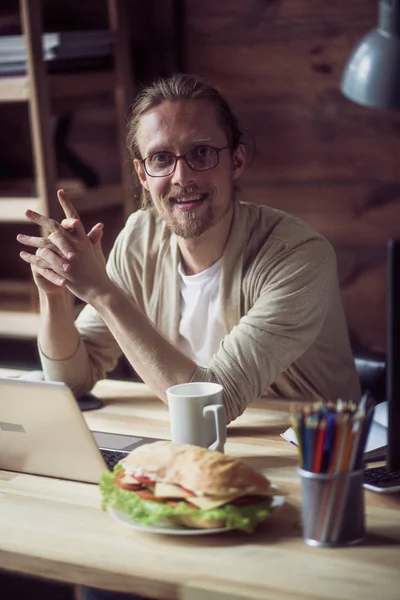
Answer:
(220, 425)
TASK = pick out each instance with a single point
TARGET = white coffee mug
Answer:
(197, 414)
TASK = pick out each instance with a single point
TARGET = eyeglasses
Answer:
(200, 158)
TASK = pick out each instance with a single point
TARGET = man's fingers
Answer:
(50, 276)
(70, 223)
(74, 228)
(40, 242)
(96, 233)
(30, 240)
(54, 227)
(67, 206)
(45, 222)
(58, 241)
(44, 259)
(51, 224)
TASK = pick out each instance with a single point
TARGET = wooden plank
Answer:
(18, 295)
(61, 86)
(14, 89)
(19, 324)
(109, 555)
(364, 301)
(258, 20)
(123, 93)
(39, 109)
(271, 71)
(12, 210)
(77, 85)
(222, 590)
(357, 213)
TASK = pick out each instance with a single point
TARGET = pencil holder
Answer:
(333, 511)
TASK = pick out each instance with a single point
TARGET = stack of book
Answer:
(63, 51)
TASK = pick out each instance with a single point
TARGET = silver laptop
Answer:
(43, 432)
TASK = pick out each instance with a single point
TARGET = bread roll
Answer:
(199, 470)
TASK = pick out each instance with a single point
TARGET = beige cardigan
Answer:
(280, 301)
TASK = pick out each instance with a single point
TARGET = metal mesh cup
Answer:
(333, 511)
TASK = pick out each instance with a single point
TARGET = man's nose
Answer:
(183, 174)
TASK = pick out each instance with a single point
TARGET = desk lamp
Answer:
(372, 73)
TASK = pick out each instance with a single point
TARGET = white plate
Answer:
(168, 529)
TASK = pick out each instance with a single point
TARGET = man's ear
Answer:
(238, 161)
(141, 173)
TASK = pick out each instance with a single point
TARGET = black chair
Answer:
(371, 369)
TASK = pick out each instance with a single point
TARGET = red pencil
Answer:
(319, 447)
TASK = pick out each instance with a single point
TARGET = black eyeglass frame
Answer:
(183, 157)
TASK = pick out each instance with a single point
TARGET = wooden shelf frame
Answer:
(38, 89)
(12, 208)
(61, 86)
(19, 324)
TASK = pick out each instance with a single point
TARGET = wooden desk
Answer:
(56, 529)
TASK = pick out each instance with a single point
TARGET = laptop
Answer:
(42, 432)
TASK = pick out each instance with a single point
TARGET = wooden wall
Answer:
(318, 155)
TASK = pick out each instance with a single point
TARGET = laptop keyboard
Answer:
(111, 457)
(375, 455)
(380, 477)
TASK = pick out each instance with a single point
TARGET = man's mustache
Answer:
(176, 192)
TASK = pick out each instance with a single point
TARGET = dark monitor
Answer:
(393, 355)
(386, 479)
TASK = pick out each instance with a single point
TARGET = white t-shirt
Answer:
(201, 329)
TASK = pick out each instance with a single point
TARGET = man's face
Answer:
(191, 202)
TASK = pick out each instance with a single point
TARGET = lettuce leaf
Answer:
(149, 512)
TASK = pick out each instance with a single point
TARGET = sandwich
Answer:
(187, 486)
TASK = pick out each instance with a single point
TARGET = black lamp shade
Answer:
(372, 73)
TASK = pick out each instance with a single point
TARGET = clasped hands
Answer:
(67, 257)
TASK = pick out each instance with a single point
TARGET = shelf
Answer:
(14, 89)
(13, 207)
(12, 210)
(19, 324)
(18, 309)
(61, 86)
(73, 85)
(18, 295)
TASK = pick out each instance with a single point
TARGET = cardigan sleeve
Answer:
(294, 294)
(130, 266)
(98, 351)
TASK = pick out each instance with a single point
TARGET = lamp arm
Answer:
(389, 17)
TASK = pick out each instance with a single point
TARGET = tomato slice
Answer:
(188, 491)
(145, 480)
(147, 495)
(126, 485)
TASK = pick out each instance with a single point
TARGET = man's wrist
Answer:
(104, 298)
(63, 298)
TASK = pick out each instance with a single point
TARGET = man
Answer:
(198, 287)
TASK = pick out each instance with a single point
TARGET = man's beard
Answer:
(188, 224)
